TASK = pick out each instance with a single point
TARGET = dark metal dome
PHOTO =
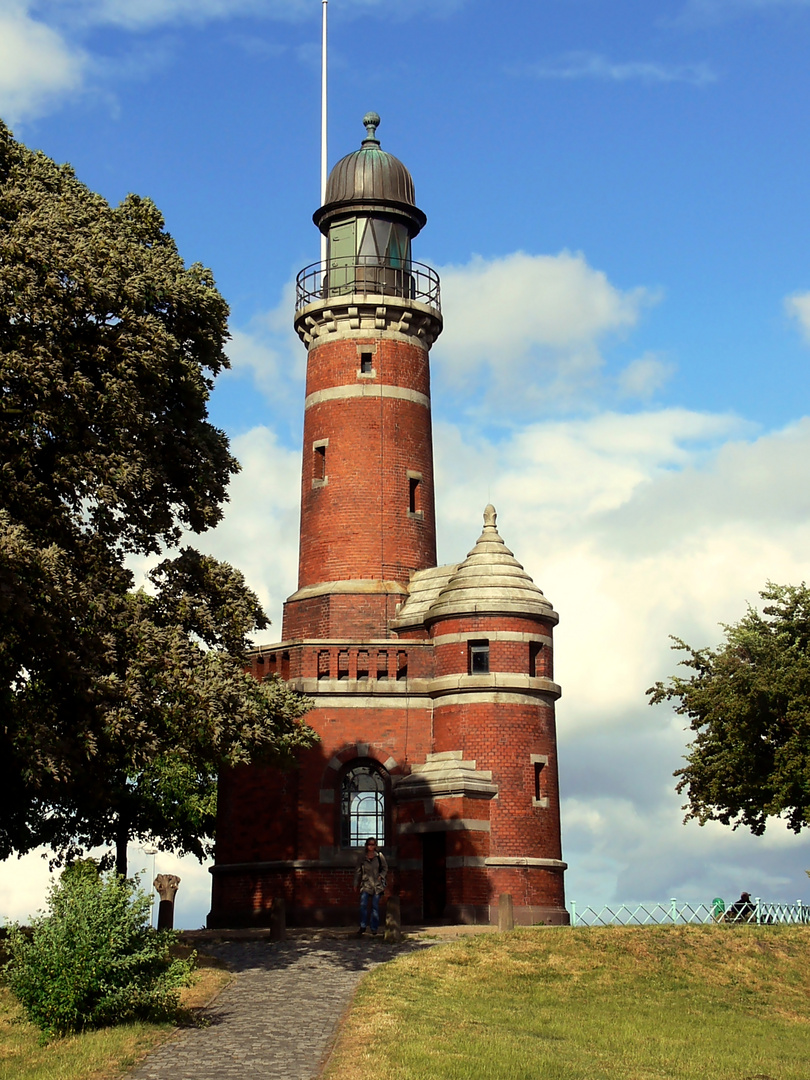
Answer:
(370, 179)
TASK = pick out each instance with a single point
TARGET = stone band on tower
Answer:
(433, 686)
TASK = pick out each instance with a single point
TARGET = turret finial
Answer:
(372, 122)
(490, 517)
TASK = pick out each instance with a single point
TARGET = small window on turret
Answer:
(415, 494)
(319, 477)
(478, 657)
(539, 763)
(366, 363)
(535, 659)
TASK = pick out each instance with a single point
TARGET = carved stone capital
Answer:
(167, 885)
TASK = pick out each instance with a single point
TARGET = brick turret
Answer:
(368, 317)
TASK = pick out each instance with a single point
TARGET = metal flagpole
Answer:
(323, 123)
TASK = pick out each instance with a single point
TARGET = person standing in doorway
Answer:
(370, 878)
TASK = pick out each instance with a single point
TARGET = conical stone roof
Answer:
(492, 581)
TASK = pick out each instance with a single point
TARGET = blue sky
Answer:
(617, 204)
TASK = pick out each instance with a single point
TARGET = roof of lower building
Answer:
(490, 580)
(423, 588)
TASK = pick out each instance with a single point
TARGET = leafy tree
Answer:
(748, 702)
(93, 960)
(116, 708)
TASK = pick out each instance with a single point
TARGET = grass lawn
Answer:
(95, 1055)
(614, 1003)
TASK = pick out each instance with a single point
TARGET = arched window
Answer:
(362, 804)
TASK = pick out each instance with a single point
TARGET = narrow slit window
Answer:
(402, 665)
(319, 462)
(414, 495)
(479, 658)
(343, 664)
(540, 796)
(366, 363)
(538, 787)
(536, 659)
(382, 665)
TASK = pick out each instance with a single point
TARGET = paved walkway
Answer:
(278, 1018)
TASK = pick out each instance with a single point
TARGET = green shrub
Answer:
(93, 960)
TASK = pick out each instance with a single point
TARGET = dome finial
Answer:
(490, 517)
(372, 122)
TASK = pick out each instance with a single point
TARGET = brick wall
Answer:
(356, 489)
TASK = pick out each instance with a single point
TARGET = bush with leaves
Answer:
(93, 960)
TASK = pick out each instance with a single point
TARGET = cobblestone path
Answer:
(278, 1017)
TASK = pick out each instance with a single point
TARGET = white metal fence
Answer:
(680, 912)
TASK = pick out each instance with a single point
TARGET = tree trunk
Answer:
(121, 841)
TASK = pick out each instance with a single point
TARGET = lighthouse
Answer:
(433, 687)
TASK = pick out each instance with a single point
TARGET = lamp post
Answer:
(150, 852)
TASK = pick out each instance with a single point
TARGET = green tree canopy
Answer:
(748, 703)
(116, 708)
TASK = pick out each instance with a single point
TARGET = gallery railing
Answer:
(678, 912)
(367, 275)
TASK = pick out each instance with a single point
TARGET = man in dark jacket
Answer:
(741, 910)
(370, 878)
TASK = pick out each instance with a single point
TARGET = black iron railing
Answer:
(367, 275)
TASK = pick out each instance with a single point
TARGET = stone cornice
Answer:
(498, 681)
(354, 587)
(443, 776)
(359, 315)
(508, 861)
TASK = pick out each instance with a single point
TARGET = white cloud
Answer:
(591, 65)
(260, 532)
(147, 14)
(798, 307)
(644, 377)
(530, 328)
(638, 526)
(45, 55)
(38, 66)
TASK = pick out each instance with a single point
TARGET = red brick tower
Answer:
(368, 318)
(432, 685)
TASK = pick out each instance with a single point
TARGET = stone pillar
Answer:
(393, 921)
(166, 886)
(506, 914)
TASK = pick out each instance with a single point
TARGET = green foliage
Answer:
(117, 708)
(748, 703)
(92, 960)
